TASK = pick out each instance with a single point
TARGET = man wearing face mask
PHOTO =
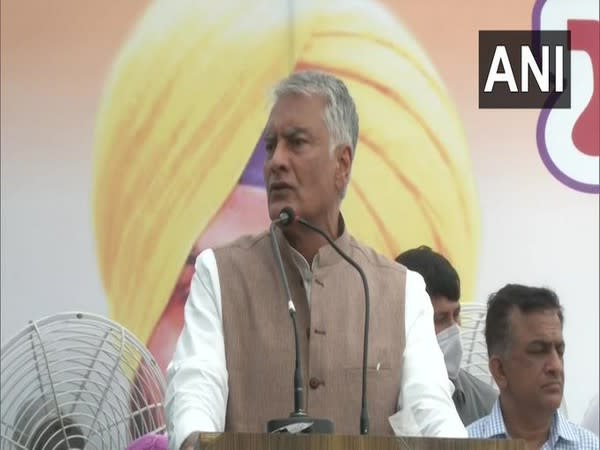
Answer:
(472, 397)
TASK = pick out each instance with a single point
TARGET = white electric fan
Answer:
(475, 357)
(78, 381)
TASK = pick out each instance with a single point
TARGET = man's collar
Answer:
(495, 427)
(560, 428)
(326, 255)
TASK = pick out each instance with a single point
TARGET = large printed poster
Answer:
(131, 140)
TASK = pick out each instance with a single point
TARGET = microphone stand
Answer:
(364, 412)
(298, 421)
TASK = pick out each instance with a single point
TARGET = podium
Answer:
(281, 441)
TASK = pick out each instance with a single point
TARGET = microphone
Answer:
(287, 215)
(299, 421)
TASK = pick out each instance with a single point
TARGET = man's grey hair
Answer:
(340, 114)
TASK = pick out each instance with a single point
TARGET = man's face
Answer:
(445, 313)
(533, 371)
(299, 170)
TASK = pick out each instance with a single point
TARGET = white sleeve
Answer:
(426, 392)
(197, 390)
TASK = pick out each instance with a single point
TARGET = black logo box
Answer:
(501, 96)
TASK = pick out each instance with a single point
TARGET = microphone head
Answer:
(287, 216)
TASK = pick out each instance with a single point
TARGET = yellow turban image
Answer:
(186, 102)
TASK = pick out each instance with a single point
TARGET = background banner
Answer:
(131, 140)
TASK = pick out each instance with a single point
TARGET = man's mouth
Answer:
(279, 186)
(553, 385)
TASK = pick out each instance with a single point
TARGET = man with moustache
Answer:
(525, 346)
(233, 364)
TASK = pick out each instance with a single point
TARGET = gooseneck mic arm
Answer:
(298, 421)
(298, 382)
(364, 411)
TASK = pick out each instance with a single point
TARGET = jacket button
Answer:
(315, 382)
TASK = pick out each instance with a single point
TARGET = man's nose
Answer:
(554, 363)
(280, 157)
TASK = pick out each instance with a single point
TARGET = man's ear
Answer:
(497, 369)
(343, 157)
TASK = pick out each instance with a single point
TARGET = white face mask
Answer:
(449, 341)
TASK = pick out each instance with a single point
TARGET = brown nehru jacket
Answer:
(259, 343)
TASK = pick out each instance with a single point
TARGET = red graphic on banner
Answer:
(585, 36)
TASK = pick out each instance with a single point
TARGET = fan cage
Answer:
(475, 356)
(78, 380)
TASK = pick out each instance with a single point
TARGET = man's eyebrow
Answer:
(287, 133)
(294, 131)
(545, 342)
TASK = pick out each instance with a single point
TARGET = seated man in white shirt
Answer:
(233, 364)
(523, 333)
(472, 397)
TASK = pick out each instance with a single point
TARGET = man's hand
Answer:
(191, 442)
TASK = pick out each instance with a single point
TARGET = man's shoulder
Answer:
(245, 242)
(583, 432)
(479, 428)
(372, 257)
(470, 381)
(583, 436)
(489, 426)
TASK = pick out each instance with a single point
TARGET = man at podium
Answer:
(233, 365)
